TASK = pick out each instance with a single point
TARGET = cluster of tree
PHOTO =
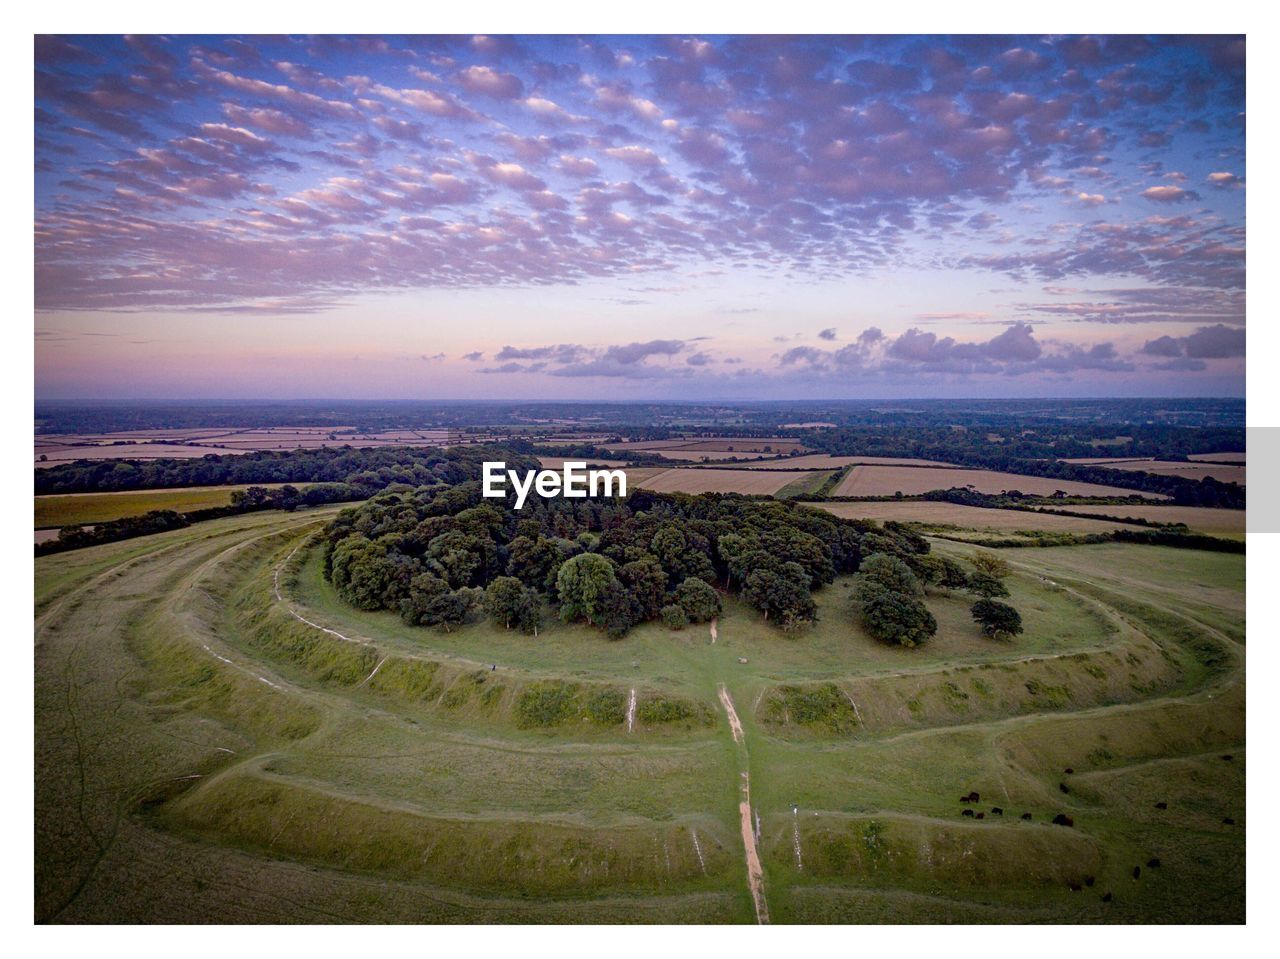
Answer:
(75, 537)
(367, 469)
(439, 555)
(889, 593)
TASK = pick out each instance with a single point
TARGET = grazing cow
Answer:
(1228, 757)
(1137, 871)
(997, 811)
(1228, 821)
(1063, 820)
(1027, 816)
(1162, 805)
(974, 797)
(1063, 787)
(979, 816)
(1073, 886)
(1088, 881)
(964, 799)
(1153, 863)
(1068, 770)
(967, 812)
(1106, 897)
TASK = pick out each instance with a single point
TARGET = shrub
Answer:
(674, 617)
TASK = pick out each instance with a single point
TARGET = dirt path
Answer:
(713, 631)
(755, 872)
(734, 723)
(631, 711)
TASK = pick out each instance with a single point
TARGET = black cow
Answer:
(1153, 863)
(1063, 788)
(997, 811)
(1073, 886)
(1106, 897)
(1228, 821)
(1027, 816)
(1088, 881)
(1137, 872)
(1063, 820)
(967, 812)
(1068, 770)
(979, 816)
(1162, 805)
(1228, 757)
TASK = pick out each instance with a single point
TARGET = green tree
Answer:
(529, 612)
(998, 620)
(985, 561)
(646, 580)
(502, 598)
(891, 573)
(582, 584)
(893, 617)
(984, 584)
(781, 592)
(698, 599)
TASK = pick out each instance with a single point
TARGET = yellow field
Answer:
(76, 508)
(911, 481)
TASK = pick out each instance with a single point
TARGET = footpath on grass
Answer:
(755, 873)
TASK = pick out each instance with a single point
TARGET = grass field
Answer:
(77, 508)
(248, 766)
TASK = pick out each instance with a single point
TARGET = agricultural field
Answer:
(694, 480)
(824, 461)
(53, 449)
(264, 752)
(1192, 471)
(711, 449)
(1218, 457)
(78, 508)
(911, 481)
(976, 517)
(1229, 523)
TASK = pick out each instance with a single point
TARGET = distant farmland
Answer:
(77, 508)
(1191, 471)
(911, 481)
(756, 482)
(976, 517)
(192, 444)
(1200, 519)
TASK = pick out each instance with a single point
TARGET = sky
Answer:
(685, 218)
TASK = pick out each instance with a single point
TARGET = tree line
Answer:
(368, 469)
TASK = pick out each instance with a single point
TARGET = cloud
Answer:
(491, 83)
(1224, 180)
(1215, 342)
(827, 334)
(182, 173)
(1169, 194)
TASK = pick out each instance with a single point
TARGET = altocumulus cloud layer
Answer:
(1096, 181)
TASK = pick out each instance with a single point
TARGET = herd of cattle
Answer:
(1062, 819)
